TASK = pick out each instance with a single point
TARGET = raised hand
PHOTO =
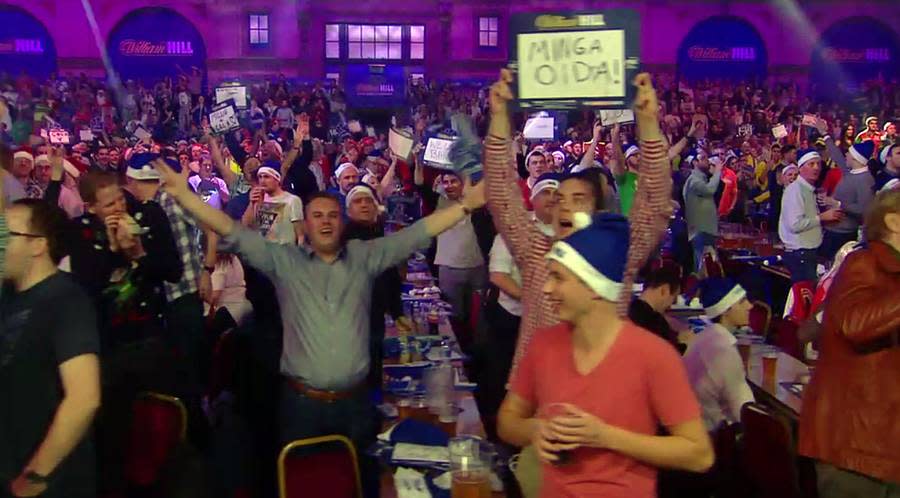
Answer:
(646, 105)
(473, 195)
(175, 184)
(500, 92)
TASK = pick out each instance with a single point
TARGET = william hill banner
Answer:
(722, 47)
(575, 59)
(25, 45)
(154, 42)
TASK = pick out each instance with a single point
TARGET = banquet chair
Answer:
(760, 318)
(324, 466)
(786, 338)
(158, 427)
(768, 458)
(712, 266)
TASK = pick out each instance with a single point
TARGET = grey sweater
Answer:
(855, 192)
(700, 210)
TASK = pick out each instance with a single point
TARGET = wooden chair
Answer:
(158, 426)
(760, 318)
(768, 458)
(324, 466)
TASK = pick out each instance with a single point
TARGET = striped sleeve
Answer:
(505, 201)
(650, 213)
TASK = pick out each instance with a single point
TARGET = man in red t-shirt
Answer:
(591, 392)
(536, 164)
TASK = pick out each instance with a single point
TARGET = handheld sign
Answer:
(539, 128)
(437, 152)
(400, 143)
(232, 91)
(810, 120)
(223, 118)
(779, 131)
(613, 116)
(575, 59)
(745, 130)
(142, 134)
(59, 136)
(86, 135)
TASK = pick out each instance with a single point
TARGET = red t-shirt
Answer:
(526, 193)
(640, 385)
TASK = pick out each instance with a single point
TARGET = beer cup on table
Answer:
(769, 366)
(470, 471)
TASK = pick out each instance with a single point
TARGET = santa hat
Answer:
(362, 189)
(271, 168)
(344, 167)
(719, 294)
(537, 150)
(545, 181)
(807, 155)
(870, 119)
(886, 153)
(559, 154)
(887, 125)
(862, 151)
(892, 184)
(140, 167)
(71, 169)
(42, 159)
(596, 253)
(24, 153)
(631, 150)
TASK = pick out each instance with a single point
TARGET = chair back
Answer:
(713, 266)
(760, 318)
(159, 425)
(786, 337)
(319, 466)
(767, 455)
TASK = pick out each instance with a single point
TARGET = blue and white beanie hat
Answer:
(807, 155)
(862, 151)
(596, 253)
(719, 294)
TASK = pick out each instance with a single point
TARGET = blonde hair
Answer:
(885, 203)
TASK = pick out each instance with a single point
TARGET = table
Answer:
(467, 423)
(787, 369)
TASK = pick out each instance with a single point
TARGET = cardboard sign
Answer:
(745, 130)
(779, 131)
(400, 143)
(613, 116)
(86, 135)
(235, 92)
(575, 59)
(437, 152)
(142, 134)
(223, 118)
(59, 136)
(539, 128)
(810, 120)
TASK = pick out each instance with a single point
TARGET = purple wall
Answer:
(297, 29)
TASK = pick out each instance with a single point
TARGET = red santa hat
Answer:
(24, 153)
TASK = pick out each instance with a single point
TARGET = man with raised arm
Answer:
(525, 241)
(325, 292)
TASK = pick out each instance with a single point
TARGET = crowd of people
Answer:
(138, 241)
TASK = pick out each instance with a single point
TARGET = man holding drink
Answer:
(716, 369)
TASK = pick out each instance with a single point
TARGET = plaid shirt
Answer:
(185, 231)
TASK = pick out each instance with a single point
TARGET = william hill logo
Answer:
(145, 48)
(560, 22)
(707, 54)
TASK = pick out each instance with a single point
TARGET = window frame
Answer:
(250, 30)
(347, 48)
(478, 32)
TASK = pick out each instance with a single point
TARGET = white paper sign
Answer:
(613, 116)
(810, 120)
(437, 151)
(223, 118)
(400, 143)
(779, 131)
(539, 128)
(572, 64)
(236, 93)
(59, 136)
(745, 130)
(142, 134)
(86, 135)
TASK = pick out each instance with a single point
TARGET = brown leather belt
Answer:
(321, 395)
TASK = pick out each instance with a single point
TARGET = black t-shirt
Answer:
(644, 316)
(40, 329)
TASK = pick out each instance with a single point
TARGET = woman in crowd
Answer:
(848, 422)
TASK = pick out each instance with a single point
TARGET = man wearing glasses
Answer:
(49, 372)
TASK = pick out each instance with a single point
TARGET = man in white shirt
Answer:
(504, 318)
(800, 224)
(714, 366)
(278, 215)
